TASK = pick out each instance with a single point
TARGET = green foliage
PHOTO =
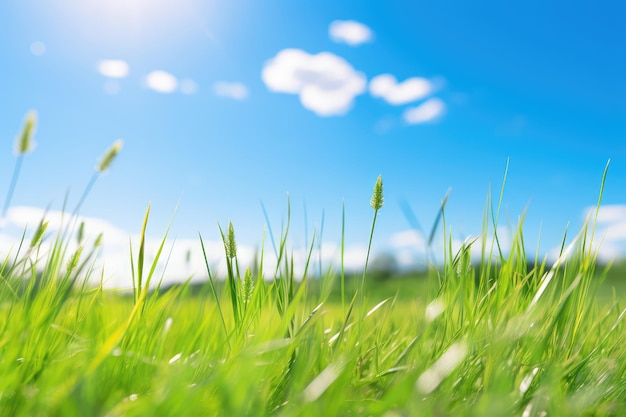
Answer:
(504, 337)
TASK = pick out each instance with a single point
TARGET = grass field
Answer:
(506, 337)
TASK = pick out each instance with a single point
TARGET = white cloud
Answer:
(410, 248)
(188, 86)
(428, 111)
(113, 68)
(610, 213)
(354, 257)
(350, 32)
(236, 91)
(616, 231)
(326, 83)
(386, 86)
(408, 238)
(181, 258)
(610, 234)
(114, 252)
(161, 82)
(37, 48)
(111, 87)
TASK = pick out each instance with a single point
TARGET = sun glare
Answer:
(124, 19)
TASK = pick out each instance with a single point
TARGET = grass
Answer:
(505, 337)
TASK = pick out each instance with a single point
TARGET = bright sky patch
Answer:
(37, 48)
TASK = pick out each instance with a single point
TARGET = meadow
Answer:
(508, 336)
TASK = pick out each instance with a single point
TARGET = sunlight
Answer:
(124, 19)
(133, 9)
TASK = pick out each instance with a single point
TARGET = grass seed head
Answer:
(98, 241)
(377, 200)
(110, 155)
(25, 141)
(231, 244)
(80, 235)
(74, 259)
(248, 286)
(38, 236)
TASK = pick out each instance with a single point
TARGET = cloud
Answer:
(386, 86)
(412, 251)
(161, 82)
(409, 247)
(350, 32)
(37, 48)
(111, 87)
(113, 68)
(408, 238)
(181, 258)
(188, 86)
(428, 111)
(236, 91)
(326, 83)
(610, 213)
(610, 234)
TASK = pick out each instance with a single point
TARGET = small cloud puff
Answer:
(161, 82)
(350, 32)
(188, 86)
(235, 91)
(113, 68)
(326, 83)
(611, 231)
(386, 86)
(166, 83)
(428, 111)
(112, 87)
(406, 238)
(37, 48)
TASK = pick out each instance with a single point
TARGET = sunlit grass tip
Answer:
(110, 155)
(231, 244)
(378, 200)
(24, 142)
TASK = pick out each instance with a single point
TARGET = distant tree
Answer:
(383, 266)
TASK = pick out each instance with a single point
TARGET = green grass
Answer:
(506, 337)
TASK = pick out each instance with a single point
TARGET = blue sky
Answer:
(224, 104)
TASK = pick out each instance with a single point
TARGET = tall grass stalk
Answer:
(376, 203)
(24, 143)
(100, 168)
